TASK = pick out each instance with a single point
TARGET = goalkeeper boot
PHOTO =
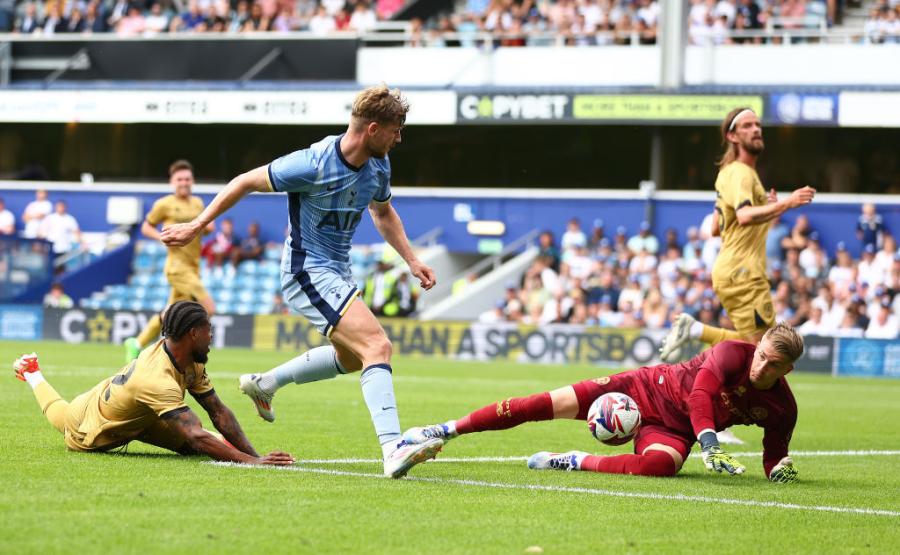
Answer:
(132, 349)
(26, 364)
(546, 460)
(407, 455)
(263, 401)
(678, 336)
(422, 434)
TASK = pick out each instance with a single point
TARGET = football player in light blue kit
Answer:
(329, 185)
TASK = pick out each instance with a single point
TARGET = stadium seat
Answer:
(248, 268)
(225, 296)
(243, 308)
(224, 308)
(142, 280)
(273, 253)
(137, 292)
(246, 296)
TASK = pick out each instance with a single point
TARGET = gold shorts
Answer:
(186, 286)
(748, 303)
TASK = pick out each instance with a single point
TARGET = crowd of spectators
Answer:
(740, 21)
(883, 24)
(225, 251)
(152, 17)
(503, 22)
(592, 279)
(43, 219)
(510, 22)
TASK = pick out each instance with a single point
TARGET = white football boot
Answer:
(263, 401)
(545, 460)
(678, 336)
(407, 455)
(425, 433)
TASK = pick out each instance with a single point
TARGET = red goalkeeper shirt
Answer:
(713, 390)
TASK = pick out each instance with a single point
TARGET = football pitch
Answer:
(479, 497)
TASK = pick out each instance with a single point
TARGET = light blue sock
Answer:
(312, 366)
(378, 391)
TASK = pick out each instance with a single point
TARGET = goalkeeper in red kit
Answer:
(732, 383)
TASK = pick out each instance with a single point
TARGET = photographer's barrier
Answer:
(552, 344)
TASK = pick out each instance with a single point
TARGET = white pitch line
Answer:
(589, 491)
(859, 453)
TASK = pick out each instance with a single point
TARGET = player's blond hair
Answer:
(731, 149)
(379, 104)
(786, 341)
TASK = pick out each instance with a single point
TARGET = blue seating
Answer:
(243, 308)
(248, 267)
(246, 296)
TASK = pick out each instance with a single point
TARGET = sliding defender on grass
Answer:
(145, 400)
(732, 383)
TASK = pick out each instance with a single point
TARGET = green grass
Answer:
(149, 501)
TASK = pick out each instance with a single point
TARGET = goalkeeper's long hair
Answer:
(181, 317)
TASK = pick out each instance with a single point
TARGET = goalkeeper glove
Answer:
(715, 458)
(784, 472)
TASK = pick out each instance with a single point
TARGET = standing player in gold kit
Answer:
(182, 263)
(743, 215)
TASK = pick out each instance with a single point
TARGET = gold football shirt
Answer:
(743, 252)
(173, 210)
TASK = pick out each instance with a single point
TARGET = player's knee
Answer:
(378, 350)
(661, 462)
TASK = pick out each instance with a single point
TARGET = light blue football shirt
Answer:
(326, 200)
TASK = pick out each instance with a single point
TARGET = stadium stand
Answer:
(473, 22)
(248, 288)
(603, 282)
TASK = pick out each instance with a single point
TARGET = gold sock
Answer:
(52, 405)
(712, 335)
(150, 332)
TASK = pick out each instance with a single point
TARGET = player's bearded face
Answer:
(202, 340)
(749, 135)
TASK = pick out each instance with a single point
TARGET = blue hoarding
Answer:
(869, 358)
(21, 322)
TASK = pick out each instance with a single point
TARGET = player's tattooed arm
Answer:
(184, 422)
(224, 420)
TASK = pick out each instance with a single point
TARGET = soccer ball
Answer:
(614, 418)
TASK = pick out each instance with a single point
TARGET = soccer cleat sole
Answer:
(263, 409)
(430, 451)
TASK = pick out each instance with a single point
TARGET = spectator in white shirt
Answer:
(61, 229)
(884, 325)
(711, 243)
(574, 236)
(815, 325)
(494, 315)
(7, 220)
(322, 23)
(841, 274)
(644, 241)
(363, 18)
(34, 214)
(884, 259)
(869, 272)
(813, 259)
(727, 9)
